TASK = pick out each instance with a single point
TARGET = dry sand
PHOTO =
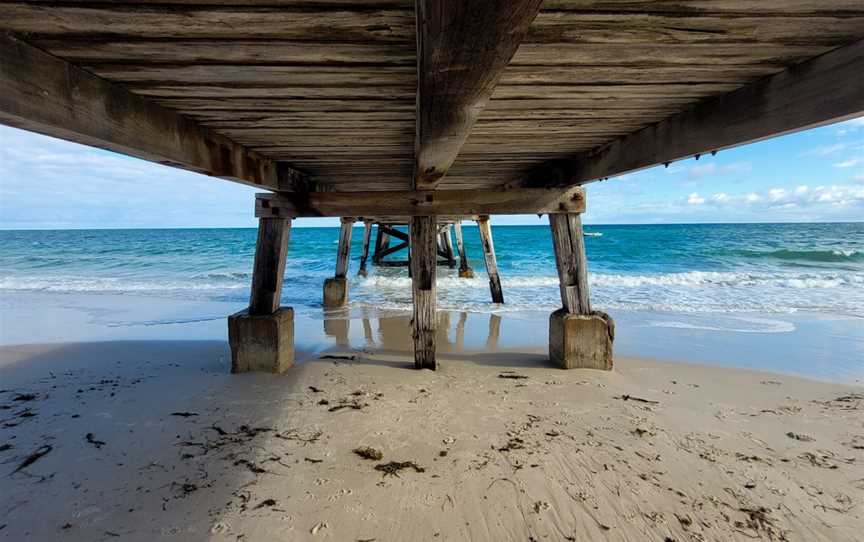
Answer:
(156, 441)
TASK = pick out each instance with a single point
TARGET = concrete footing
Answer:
(335, 292)
(466, 273)
(261, 342)
(579, 341)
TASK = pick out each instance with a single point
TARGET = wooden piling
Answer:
(447, 246)
(489, 256)
(271, 250)
(382, 243)
(342, 257)
(423, 267)
(367, 235)
(336, 288)
(465, 270)
(569, 244)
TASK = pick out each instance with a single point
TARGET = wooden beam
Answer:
(491, 262)
(569, 243)
(825, 89)
(268, 270)
(462, 50)
(44, 94)
(367, 236)
(422, 203)
(423, 267)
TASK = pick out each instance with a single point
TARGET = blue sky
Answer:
(811, 176)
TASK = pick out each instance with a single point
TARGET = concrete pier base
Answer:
(466, 273)
(261, 342)
(578, 341)
(335, 292)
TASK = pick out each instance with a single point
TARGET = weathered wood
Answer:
(447, 246)
(423, 267)
(491, 262)
(462, 50)
(344, 254)
(392, 250)
(421, 203)
(825, 89)
(569, 244)
(367, 235)
(44, 94)
(382, 243)
(465, 270)
(268, 269)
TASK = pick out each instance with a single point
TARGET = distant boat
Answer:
(593, 234)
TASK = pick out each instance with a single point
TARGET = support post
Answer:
(465, 270)
(423, 265)
(382, 243)
(447, 246)
(489, 256)
(367, 235)
(262, 337)
(578, 336)
(336, 289)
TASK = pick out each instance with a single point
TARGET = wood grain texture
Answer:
(462, 50)
(421, 203)
(364, 255)
(569, 244)
(44, 94)
(489, 257)
(268, 269)
(825, 89)
(343, 255)
(423, 267)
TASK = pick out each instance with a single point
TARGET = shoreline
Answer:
(154, 440)
(813, 345)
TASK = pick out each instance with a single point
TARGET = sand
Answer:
(157, 441)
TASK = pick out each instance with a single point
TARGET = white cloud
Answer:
(695, 199)
(777, 194)
(720, 197)
(852, 162)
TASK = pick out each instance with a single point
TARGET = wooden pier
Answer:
(410, 112)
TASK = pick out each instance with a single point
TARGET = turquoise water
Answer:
(764, 268)
(726, 268)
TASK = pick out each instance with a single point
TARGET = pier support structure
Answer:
(445, 246)
(489, 256)
(367, 236)
(578, 336)
(262, 337)
(336, 288)
(423, 266)
(465, 270)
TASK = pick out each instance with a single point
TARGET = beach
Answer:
(734, 411)
(155, 440)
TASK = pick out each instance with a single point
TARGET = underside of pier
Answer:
(423, 113)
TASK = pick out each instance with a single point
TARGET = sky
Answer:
(811, 176)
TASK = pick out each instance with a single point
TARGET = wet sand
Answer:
(155, 440)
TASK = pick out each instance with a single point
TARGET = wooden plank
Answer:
(462, 50)
(239, 90)
(421, 203)
(423, 267)
(661, 54)
(826, 89)
(652, 26)
(569, 244)
(489, 257)
(236, 51)
(130, 20)
(44, 94)
(344, 251)
(367, 235)
(269, 266)
(704, 7)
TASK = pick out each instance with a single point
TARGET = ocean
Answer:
(686, 268)
(776, 297)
